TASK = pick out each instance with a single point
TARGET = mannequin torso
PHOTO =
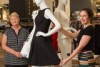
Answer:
(64, 43)
(48, 15)
(62, 17)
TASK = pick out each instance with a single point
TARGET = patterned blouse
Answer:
(15, 42)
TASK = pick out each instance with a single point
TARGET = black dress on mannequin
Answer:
(42, 52)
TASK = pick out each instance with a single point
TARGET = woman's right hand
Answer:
(18, 54)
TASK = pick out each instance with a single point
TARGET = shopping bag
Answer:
(27, 44)
(26, 47)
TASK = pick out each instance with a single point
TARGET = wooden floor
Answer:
(1, 58)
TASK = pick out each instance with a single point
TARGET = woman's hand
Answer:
(63, 62)
(39, 33)
(18, 54)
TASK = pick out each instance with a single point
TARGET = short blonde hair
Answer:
(14, 14)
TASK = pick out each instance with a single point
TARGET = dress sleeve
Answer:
(88, 31)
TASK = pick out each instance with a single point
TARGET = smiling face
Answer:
(84, 18)
(37, 2)
(14, 19)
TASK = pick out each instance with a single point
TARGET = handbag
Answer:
(27, 44)
(26, 47)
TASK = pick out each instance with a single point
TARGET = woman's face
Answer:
(84, 18)
(37, 2)
(14, 20)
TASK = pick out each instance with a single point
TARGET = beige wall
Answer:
(93, 4)
(4, 2)
(49, 3)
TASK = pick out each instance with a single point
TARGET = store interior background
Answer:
(25, 8)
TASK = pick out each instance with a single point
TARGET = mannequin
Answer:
(64, 43)
(48, 15)
(42, 53)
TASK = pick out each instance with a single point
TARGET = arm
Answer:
(83, 42)
(48, 14)
(69, 34)
(7, 49)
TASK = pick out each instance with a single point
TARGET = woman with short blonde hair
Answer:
(12, 43)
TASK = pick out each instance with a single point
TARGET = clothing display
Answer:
(76, 24)
(42, 52)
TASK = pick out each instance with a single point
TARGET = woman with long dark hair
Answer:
(85, 40)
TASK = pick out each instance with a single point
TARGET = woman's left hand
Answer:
(17, 54)
(39, 33)
(63, 62)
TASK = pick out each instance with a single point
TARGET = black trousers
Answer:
(16, 65)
